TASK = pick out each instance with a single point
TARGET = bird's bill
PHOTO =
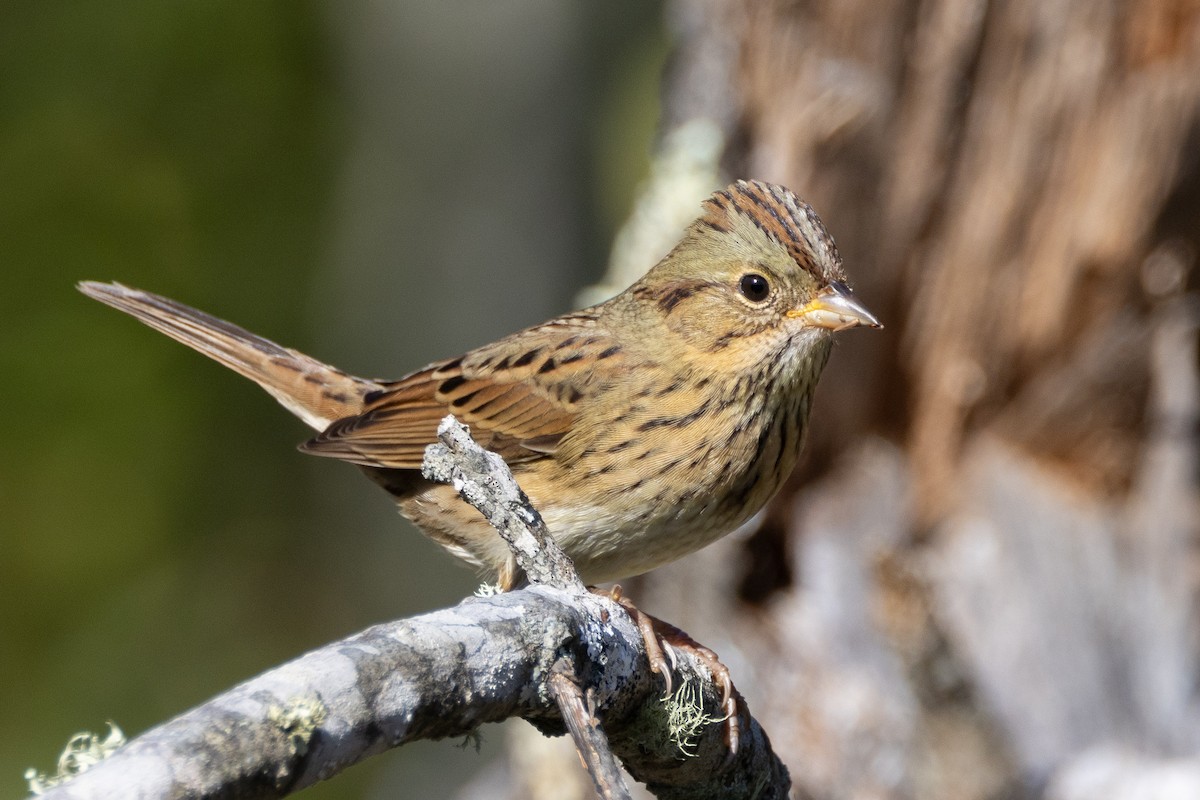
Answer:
(835, 308)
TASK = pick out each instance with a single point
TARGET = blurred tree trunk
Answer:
(983, 581)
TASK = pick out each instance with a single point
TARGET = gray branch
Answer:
(590, 740)
(534, 653)
(485, 481)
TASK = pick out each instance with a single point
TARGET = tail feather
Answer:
(315, 392)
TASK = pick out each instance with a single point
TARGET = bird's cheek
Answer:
(702, 329)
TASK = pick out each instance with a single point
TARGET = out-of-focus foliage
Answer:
(186, 147)
(160, 539)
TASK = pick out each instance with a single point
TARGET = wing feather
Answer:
(519, 396)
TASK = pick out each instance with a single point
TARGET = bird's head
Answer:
(755, 276)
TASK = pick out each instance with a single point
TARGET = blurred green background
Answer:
(378, 184)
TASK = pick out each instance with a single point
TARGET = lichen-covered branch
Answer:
(485, 481)
(429, 677)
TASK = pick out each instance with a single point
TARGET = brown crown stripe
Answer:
(787, 224)
(779, 214)
(787, 229)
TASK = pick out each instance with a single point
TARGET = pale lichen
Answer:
(299, 719)
(83, 751)
(686, 717)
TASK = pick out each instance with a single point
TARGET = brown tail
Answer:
(316, 393)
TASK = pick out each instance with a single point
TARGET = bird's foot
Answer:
(662, 639)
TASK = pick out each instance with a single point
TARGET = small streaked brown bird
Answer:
(642, 428)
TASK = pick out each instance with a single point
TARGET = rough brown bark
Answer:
(982, 582)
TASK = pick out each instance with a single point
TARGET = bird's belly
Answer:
(606, 541)
(607, 546)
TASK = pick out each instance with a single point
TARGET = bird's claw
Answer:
(670, 651)
(661, 640)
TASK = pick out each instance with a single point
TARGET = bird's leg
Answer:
(661, 639)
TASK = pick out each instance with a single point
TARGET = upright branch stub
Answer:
(483, 479)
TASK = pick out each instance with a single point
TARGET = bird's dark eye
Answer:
(754, 287)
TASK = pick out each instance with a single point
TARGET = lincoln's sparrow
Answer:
(642, 428)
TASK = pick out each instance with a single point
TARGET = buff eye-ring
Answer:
(754, 287)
